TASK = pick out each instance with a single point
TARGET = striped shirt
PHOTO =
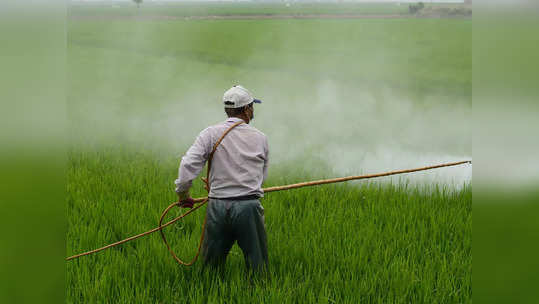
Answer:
(239, 165)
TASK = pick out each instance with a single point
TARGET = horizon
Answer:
(277, 1)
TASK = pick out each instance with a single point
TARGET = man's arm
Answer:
(192, 163)
(266, 159)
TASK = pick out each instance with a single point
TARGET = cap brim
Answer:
(257, 101)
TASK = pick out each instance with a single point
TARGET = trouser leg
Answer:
(217, 237)
(250, 232)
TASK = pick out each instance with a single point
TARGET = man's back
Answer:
(239, 165)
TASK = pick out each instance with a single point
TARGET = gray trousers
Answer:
(228, 221)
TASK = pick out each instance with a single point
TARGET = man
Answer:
(238, 169)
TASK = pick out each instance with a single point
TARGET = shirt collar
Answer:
(233, 119)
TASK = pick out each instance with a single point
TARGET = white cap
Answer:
(237, 97)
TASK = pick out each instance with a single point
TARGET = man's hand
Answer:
(187, 203)
(185, 200)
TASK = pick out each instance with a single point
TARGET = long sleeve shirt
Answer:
(239, 165)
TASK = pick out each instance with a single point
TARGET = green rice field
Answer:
(335, 92)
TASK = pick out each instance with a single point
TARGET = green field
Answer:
(139, 91)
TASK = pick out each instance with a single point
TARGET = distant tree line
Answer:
(415, 8)
(458, 10)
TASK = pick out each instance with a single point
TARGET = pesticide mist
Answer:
(339, 98)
